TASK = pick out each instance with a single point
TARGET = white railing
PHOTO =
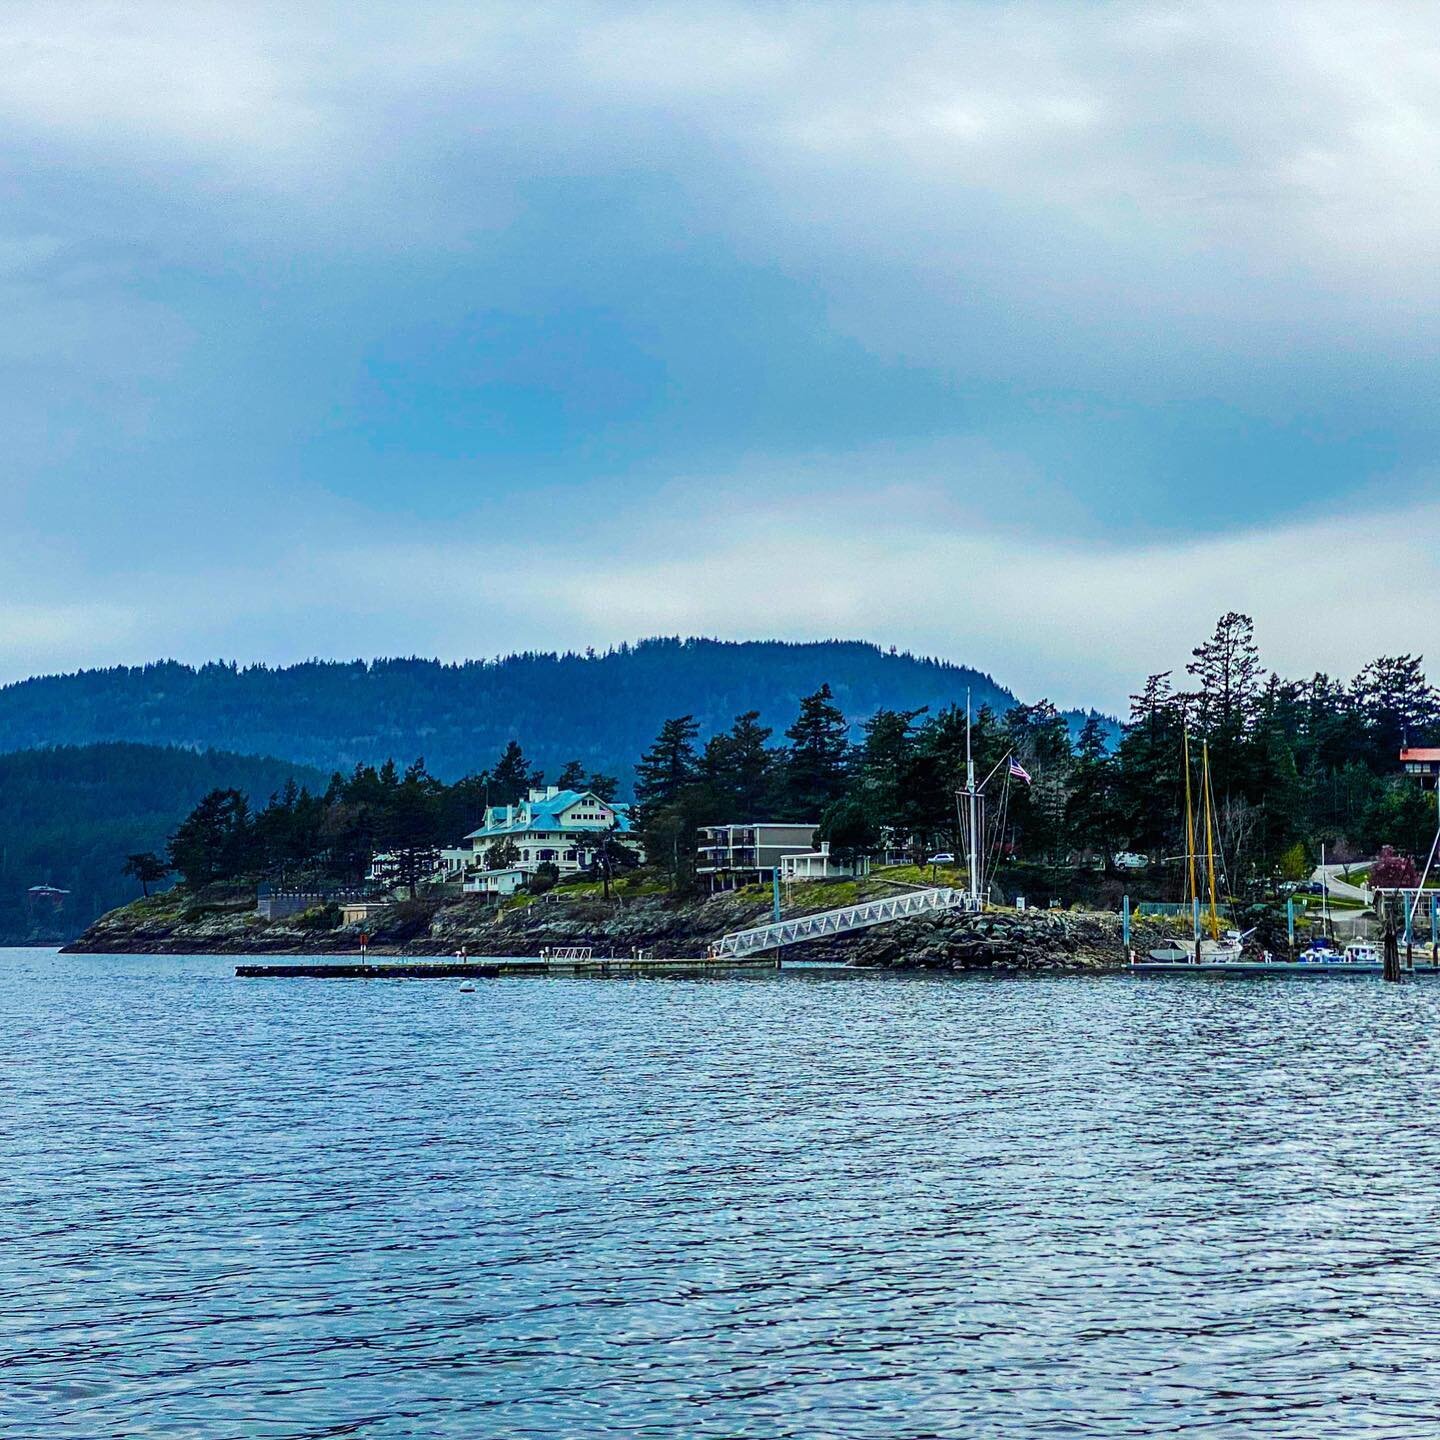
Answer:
(836, 922)
(564, 953)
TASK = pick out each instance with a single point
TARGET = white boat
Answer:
(1362, 952)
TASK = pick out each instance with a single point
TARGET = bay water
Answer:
(798, 1204)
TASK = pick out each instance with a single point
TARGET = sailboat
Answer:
(1215, 947)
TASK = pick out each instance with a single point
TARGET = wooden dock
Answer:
(496, 967)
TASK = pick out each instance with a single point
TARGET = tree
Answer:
(1393, 872)
(1227, 667)
(503, 854)
(670, 799)
(816, 764)
(1149, 779)
(602, 787)
(409, 835)
(572, 777)
(513, 778)
(1090, 809)
(148, 868)
(739, 769)
(215, 841)
(670, 764)
(886, 768)
(1040, 740)
(1397, 706)
(851, 832)
(606, 853)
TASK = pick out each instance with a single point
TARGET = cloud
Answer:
(1022, 329)
(1080, 623)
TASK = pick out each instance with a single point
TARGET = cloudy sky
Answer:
(1032, 335)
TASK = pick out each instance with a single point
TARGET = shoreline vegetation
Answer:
(1293, 766)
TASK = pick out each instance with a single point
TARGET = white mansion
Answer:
(550, 826)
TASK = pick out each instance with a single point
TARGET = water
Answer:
(794, 1205)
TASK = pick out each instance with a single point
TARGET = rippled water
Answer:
(792, 1205)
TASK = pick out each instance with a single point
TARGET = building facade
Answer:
(549, 827)
(1423, 764)
(820, 864)
(730, 856)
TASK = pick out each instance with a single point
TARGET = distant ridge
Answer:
(70, 815)
(599, 708)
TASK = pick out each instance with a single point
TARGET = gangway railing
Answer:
(760, 938)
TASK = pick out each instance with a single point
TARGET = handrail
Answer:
(759, 938)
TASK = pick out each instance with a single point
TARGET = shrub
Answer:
(546, 875)
(319, 917)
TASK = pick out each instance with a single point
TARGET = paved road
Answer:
(1332, 878)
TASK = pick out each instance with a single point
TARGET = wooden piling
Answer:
(1391, 943)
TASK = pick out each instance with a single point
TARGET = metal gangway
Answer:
(759, 938)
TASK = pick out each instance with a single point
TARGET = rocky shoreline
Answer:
(1018, 941)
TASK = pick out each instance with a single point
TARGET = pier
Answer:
(498, 967)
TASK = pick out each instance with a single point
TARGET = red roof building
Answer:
(1423, 763)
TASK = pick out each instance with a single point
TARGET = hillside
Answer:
(69, 816)
(601, 709)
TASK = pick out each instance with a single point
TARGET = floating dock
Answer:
(494, 968)
(1309, 970)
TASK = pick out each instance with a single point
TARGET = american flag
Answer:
(1018, 771)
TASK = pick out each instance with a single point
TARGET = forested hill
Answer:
(601, 709)
(70, 816)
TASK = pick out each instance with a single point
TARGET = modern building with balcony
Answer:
(734, 855)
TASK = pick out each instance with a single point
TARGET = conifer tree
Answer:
(739, 770)
(816, 764)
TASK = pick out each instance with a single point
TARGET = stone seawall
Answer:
(657, 924)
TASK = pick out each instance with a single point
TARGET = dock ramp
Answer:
(760, 938)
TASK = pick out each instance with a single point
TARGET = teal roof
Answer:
(544, 815)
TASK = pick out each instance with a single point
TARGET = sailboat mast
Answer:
(1190, 826)
(1209, 836)
(974, 805)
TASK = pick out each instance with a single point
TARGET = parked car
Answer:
(1129, 860)
(943, 858)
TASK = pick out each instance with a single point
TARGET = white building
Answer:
(549, 827)
(821, 865)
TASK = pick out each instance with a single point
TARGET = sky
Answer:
(1034, 336)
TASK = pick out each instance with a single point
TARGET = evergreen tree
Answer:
(887, 769)
(1149, 779)
(670, 800)
(816, 771)
(850, 830)
(602, 787)
(1091, 812)
(215, 841)
(147, 867)
(513, 777)
(1227, 669)
(572, 777)
(739, 770)
(1040, 740)
(409, 837)
(1397, 707)
(669, 766)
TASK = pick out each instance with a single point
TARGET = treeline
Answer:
(330, 837)
(1292, 763)
(602, 707)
